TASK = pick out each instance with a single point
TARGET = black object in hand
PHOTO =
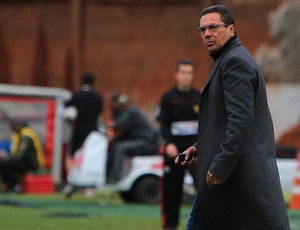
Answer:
(182, 156)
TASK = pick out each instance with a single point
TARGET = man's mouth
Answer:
(209, 43)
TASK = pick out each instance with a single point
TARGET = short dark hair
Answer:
(184, 62)
(87, 79)
(225, 12)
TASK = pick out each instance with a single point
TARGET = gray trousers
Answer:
(126, 148)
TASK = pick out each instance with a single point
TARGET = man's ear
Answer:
(232, 30)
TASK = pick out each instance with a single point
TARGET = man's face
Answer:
(185, 76)
(216, 39)
(16, 127)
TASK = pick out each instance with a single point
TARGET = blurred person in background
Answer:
(88, 106)
(26, 155)
(133, 135)
(178, 117)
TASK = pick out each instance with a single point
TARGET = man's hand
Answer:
(212, 180)
(188, 152)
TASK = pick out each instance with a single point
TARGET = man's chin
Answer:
(210, 49)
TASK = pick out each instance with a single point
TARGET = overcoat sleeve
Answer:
(239, 81)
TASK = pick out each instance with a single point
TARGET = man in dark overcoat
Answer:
(238, 186)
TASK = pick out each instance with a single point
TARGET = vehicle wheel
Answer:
(127, 196)
(146, 190)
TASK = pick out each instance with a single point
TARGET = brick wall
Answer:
(131, 48)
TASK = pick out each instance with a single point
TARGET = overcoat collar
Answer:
(234, 43)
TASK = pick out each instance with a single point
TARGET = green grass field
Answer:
(103, 211)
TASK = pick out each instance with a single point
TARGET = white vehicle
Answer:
(141, 184)
(287, 166)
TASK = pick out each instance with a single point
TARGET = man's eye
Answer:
(212, 27)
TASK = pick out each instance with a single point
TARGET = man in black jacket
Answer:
(178, 116)
(89, 106)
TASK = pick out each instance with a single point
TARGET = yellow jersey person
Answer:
(26, 155)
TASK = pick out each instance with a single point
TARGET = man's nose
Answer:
(207, 33)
